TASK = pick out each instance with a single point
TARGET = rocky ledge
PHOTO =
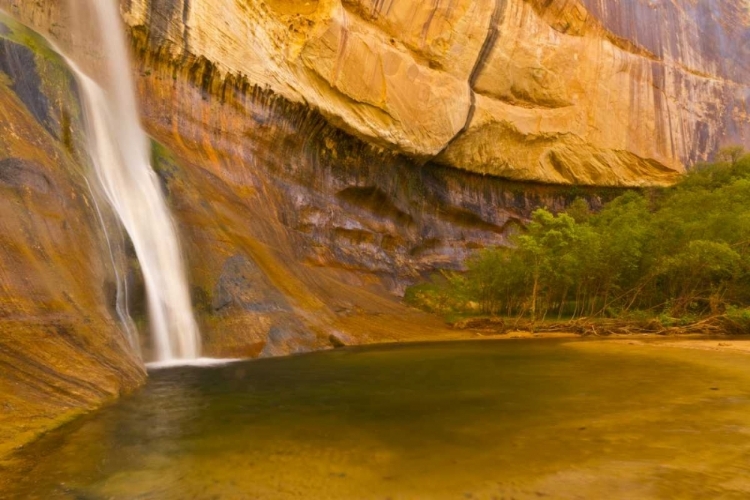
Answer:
(622, 92)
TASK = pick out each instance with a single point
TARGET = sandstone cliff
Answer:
(295, 228)
(617, 92)
(62, 348)
(319, 130)
(625, 92)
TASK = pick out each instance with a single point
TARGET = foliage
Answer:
(673, 254)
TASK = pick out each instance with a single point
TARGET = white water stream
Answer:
(120, 152)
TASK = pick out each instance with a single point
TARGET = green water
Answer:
(474, 420)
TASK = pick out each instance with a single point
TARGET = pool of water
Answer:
(466, 420)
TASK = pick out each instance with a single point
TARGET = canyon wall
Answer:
(62, 346)
(594, 92)
(295, 226)
(617, 92)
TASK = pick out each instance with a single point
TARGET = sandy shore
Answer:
(703, 344)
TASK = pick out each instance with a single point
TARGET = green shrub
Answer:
(676, 254)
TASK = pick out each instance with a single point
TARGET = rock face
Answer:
(62, 349)
(620, 92)
(306, 145)
(295, 227)
(616, 92)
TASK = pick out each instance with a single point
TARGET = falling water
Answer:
(121, 299)
(120, 153)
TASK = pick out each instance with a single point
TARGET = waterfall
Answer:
(120, 153)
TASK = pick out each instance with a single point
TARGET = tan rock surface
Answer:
(625, 92)
(561, 92)
(589, 107)
(62, 347)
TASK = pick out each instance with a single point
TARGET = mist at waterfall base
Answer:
(119, 151)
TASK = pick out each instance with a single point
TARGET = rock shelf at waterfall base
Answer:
(717, 326)
(197, 362)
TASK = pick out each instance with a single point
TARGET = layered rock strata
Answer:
(62, 346)
(290, 227)
(625, 92)
(292, 222)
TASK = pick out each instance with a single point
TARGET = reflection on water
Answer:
(481, 420)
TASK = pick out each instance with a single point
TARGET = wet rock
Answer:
(62, 349)
(19, 174)
(243, 285)
(336, 340)
(19, 63)
(291, 338)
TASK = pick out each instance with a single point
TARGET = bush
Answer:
(682, 251)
